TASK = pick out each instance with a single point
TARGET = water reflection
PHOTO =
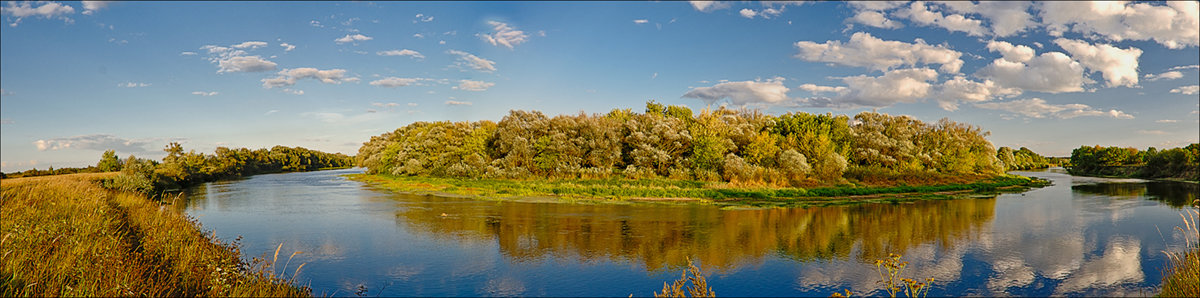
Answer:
(1176, 194)
(1082, 236)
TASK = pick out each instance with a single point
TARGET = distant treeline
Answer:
(740, 146)
(1182, 163)
(181, 169)
(1023, 159)
(51, 171)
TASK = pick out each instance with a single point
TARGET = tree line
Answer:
(1182, 163)
(741, 146)
(182, 169)
(1023, 159)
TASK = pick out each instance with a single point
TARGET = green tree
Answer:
(109, 162)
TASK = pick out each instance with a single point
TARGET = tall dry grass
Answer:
(1182, 278)
(66, 236)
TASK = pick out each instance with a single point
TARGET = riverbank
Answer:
(65, 235)
(681, 191)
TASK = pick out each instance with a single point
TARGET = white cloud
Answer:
(385, 105)
(98, 142)
(504, 35)
(1183, 67)
(1010, 52)
(1151, 132)
(412, 104)
(469, 85)
(1176, 25)
(895, 86)
(287, 47)
(245, 64)
(875, 19)
(822, 89)
(186, 53)
(864, 50)
(1038, 108)
(707, 6)
(423, 18)
(641, 21)
(748, 13)
(1170, 75)
(742, 93)
(468, 60)
(1051, 72)
(876, 5)
(1187, 90)
(1118, 66)
(392, 82)
(202, 93)
(293, 91)
(133, 85)
(404, 52)
(353, 38)
(47, 10)
(1005, 17)
(1165, 121)
(250, 44)
(959, 89)
(419, 35)
(458, 103)
(288, 77)
(90, 7)
(920, 14)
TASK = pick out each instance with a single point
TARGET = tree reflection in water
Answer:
(661, 236)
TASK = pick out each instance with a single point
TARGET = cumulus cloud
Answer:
(864, 50)
(1176, 25)
(920, 14)
(748, 13)
(1170, 75)
(202, 93)
(707, 6)
(1051, 72)
(641, 21)
(288, 77)
(90, 7)
(1187, 90)
(287, 47)
(47, 10)
(504, 35)
(895, 86)
(951, 92)
(404, 52)
(133, 85)
(469, 85)
(422, 18)
(743, 93)
(245, 64)
(1038, 108)
(458, 103)
(392, 82)
(822, 89)
(1006, 18)
(875, 19)
(474, 62)
(1118, 66)
(353, 38)
(97, 142)
(250, 45)
(1010, 52)
(1165, 121)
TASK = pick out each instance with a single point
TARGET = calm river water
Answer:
(1080, 237)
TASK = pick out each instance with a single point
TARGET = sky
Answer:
(79, 78)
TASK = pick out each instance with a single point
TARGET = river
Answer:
(1079, 237)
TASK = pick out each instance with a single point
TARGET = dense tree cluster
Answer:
(1022, 159)
(1130, 162)
(741, 146)
(182, 169)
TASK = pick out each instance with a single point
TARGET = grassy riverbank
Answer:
(65, 235)
(666, 190)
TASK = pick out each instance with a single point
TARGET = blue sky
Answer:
(82, 77)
